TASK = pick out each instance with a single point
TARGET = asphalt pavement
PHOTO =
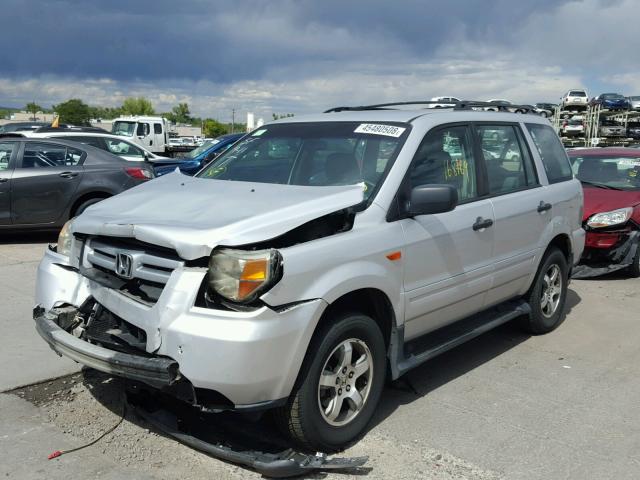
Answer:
(506, 405)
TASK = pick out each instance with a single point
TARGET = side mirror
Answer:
(430, 199)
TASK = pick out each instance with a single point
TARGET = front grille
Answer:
(146, 263)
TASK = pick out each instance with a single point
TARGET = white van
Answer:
(152, 133)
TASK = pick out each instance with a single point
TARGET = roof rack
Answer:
(460, 105)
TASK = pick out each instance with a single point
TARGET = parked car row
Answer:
(578, 99)
(49, 175)
(45, 181)
(576, 126)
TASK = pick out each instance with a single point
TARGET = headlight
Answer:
(608, 219)
(64, 239)
(240, 275)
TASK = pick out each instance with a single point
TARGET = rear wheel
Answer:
(548, 293)
(339, 385)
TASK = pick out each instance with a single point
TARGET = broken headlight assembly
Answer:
(65, 238)
(241, 275)
(609, 219)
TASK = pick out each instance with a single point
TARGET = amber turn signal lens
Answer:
(253, 275)
(394, 256)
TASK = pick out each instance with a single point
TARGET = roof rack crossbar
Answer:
(460, 105)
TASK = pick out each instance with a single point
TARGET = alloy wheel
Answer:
(345, 382)
(551, 291)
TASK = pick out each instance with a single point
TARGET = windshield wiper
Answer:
(600, 185)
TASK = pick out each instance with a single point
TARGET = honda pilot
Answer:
(318, 257)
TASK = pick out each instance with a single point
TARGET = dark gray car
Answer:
(44, 182)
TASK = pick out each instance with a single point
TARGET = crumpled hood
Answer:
(193, 215)
(598, 200)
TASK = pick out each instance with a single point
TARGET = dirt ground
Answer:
(90, 403)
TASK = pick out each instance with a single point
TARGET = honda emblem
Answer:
(124, 265)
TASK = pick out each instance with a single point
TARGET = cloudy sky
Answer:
(303, 56)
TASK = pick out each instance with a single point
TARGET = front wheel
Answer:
(548, 293)
(339, 385)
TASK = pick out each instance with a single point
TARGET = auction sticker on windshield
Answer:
(377, 129)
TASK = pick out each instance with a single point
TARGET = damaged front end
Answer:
(607, 251)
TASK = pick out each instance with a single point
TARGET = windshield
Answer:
(202, 148)
(635, 99)
(616, 172)
(612, 96)
(313, 154)
(123, 128)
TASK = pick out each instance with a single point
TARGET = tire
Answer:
(547, 313)
(84, 205)
(634, 268)
(303, 418)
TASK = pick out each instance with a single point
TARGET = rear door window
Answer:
(553, 155)
(43, 155)
(157, 128)
(509, 165)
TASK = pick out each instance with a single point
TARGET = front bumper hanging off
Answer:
(155, 371)
(284, 464)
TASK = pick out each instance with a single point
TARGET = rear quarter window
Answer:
(553, 155)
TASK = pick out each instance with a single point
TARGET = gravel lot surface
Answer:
(506, 405)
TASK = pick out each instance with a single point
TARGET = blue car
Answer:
(197, 158)
(611, 101)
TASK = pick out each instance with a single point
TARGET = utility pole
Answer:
(233, 120)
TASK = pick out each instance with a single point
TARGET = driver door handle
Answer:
(543, 207)
(68, 174)
(482, 223)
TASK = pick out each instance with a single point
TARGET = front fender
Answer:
(331, 267)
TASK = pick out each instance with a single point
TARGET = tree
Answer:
(34, 108)
(137, 106)
(181, 113)
(105, 113)
(212, 128)
(73, 111)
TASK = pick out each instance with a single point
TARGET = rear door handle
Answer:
(482, 223)
(543, 207)
(68, 174)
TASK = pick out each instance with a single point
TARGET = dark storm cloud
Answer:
(243, 39)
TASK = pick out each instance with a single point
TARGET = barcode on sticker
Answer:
(377, 129)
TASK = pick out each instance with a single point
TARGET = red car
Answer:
(611, 181)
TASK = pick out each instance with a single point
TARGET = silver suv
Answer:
(318, 257)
